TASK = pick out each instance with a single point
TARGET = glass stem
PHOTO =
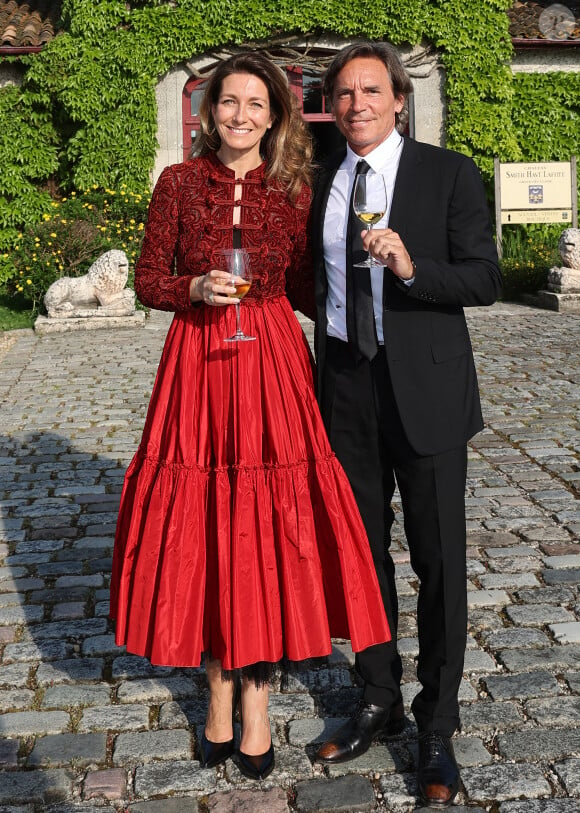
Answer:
(238, 324)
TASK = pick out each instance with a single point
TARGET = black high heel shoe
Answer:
(257, 767)
(214, 753)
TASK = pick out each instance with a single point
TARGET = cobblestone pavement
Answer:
(86, 727)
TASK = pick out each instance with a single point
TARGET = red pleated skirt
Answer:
(238, 533)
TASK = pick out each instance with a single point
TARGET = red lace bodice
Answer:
(190, 220)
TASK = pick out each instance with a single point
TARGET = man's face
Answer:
(364, 104)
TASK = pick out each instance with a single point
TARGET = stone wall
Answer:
(547, 59)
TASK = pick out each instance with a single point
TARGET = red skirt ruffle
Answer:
(238, 533)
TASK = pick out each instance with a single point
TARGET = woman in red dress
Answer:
(238, 540)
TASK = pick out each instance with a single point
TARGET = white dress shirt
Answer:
(384, 159)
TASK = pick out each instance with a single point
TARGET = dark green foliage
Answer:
(546, 115)
(28, 157)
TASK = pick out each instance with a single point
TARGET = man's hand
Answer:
(388, 248)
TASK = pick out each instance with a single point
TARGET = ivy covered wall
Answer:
(86, 116)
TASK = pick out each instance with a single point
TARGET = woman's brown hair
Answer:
(287, 145)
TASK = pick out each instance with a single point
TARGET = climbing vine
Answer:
(86, 117)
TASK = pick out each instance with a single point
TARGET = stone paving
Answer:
(86, 727)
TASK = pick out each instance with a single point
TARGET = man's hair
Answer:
(388, 55)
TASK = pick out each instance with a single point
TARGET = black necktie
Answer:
(360, 316)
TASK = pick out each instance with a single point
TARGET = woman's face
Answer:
(242, 114)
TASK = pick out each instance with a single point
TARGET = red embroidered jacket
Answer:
(190, 220)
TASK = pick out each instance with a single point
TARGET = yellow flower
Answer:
(29, 282)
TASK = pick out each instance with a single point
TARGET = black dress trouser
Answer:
(367, 435)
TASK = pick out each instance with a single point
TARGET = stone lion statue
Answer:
(567, 278)
(100, 292)
(569, 248)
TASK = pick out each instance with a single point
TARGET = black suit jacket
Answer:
(440, 211)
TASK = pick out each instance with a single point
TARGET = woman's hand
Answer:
(213, 288)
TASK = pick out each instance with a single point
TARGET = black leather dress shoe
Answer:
(257, 767)
(438, 774)
(214, 753)
(355, 737)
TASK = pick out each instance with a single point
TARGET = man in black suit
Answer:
(398, 387)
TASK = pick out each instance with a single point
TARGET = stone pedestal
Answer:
(553, 301)
(44, 325)
(564, 280)
(563, 290)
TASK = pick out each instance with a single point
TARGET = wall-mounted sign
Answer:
(535, 193)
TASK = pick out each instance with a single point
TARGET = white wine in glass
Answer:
(237, 263)
(369, 204)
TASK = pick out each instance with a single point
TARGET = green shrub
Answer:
(529, 251)
(69, 238)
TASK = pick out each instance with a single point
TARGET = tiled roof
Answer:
(33, 23)
(545, 20)
(28, 24)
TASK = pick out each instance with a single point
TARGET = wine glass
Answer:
(237, 262)
(370, 204)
